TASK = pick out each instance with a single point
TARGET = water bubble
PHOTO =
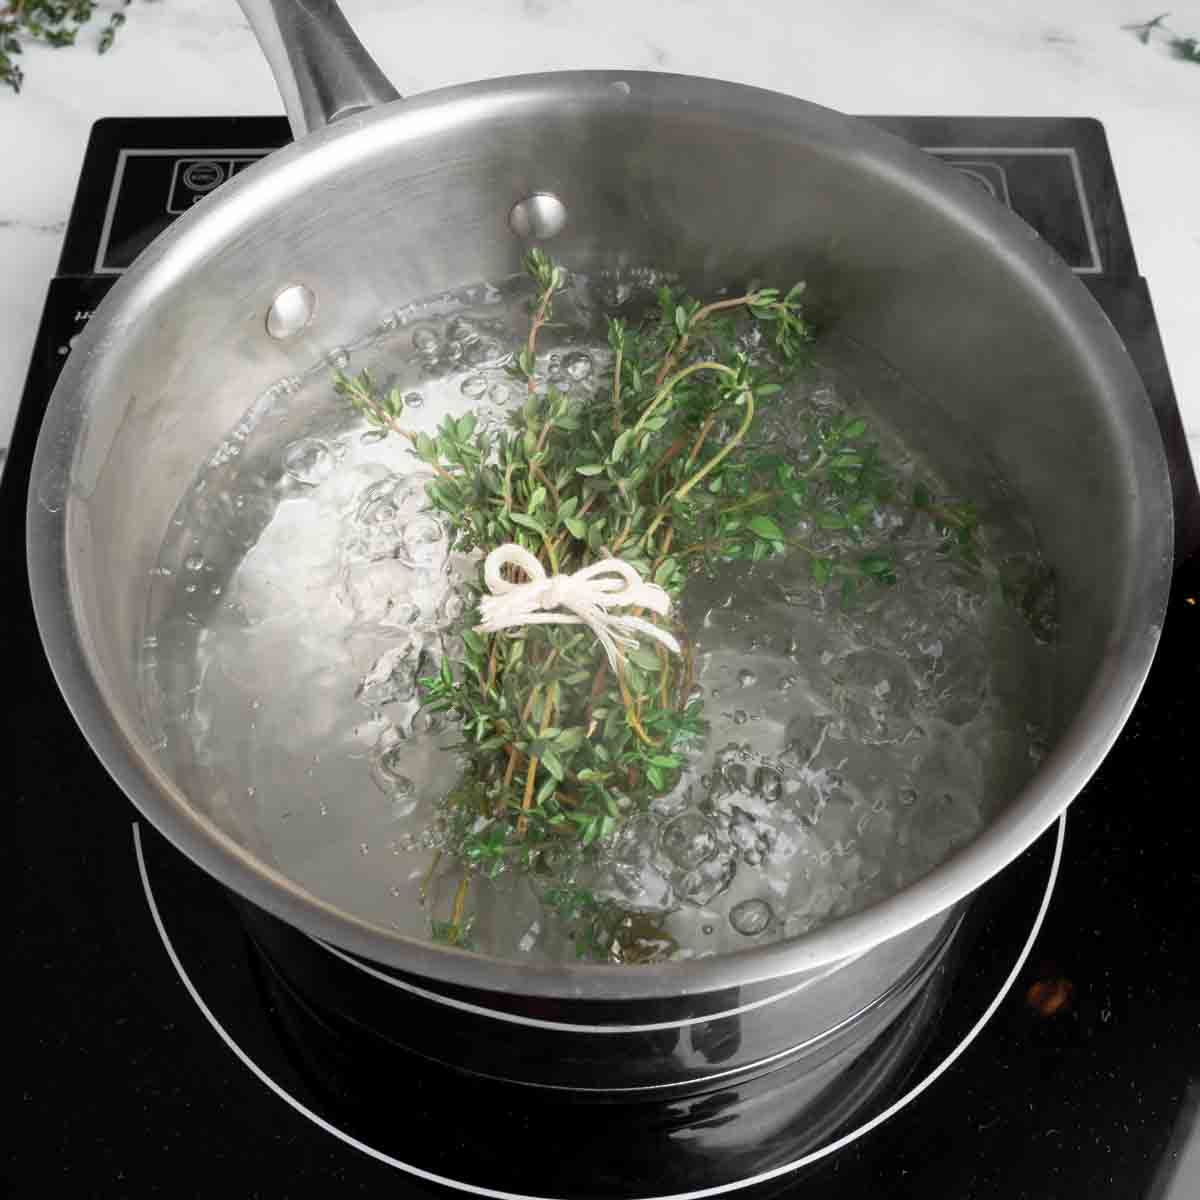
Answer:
(476, 350)
(308, 461)
(400, 613)
(708, 930)
(499, 394)
(388, 761)
(364, 848)
(746, 679)
(689, 840)
(733, 773)
(408, 492)
(390, 679)
(751, 917)
(378, 506)
(630, 875)
(423, 543)
(338, 358)
(578, 364)
(193, 562)
(703, 884)
(740, 717)
(372, 436)
(473, 386)
(769, 784)
(425, 341)
(751, 838)
(403, 790)
(413, 400)
(189, 588)
(486, 350)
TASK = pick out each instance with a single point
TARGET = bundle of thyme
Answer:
(658, 469)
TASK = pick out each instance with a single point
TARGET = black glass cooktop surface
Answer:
(158, 1053)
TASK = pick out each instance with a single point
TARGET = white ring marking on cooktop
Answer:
(477, 1190)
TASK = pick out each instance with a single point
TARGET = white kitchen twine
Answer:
(587, 595)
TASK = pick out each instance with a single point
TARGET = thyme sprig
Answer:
(661, 467)
(1185, 48)
(54, 23)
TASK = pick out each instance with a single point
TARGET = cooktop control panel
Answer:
(148, 171)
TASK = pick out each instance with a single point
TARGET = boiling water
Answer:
(304, 587)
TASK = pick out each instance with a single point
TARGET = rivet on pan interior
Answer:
(291, 311)
(541, 215)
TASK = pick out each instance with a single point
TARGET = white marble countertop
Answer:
(1054, 57)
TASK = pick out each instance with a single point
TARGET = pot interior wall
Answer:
(400, 204)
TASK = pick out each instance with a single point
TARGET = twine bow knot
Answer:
(587, 595)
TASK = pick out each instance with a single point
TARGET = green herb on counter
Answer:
(1185, 48)
(54, 23)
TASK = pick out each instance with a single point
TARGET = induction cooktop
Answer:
(159, 1053)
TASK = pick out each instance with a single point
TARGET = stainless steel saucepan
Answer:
(380, 201)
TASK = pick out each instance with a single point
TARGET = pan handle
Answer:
(320, 67)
